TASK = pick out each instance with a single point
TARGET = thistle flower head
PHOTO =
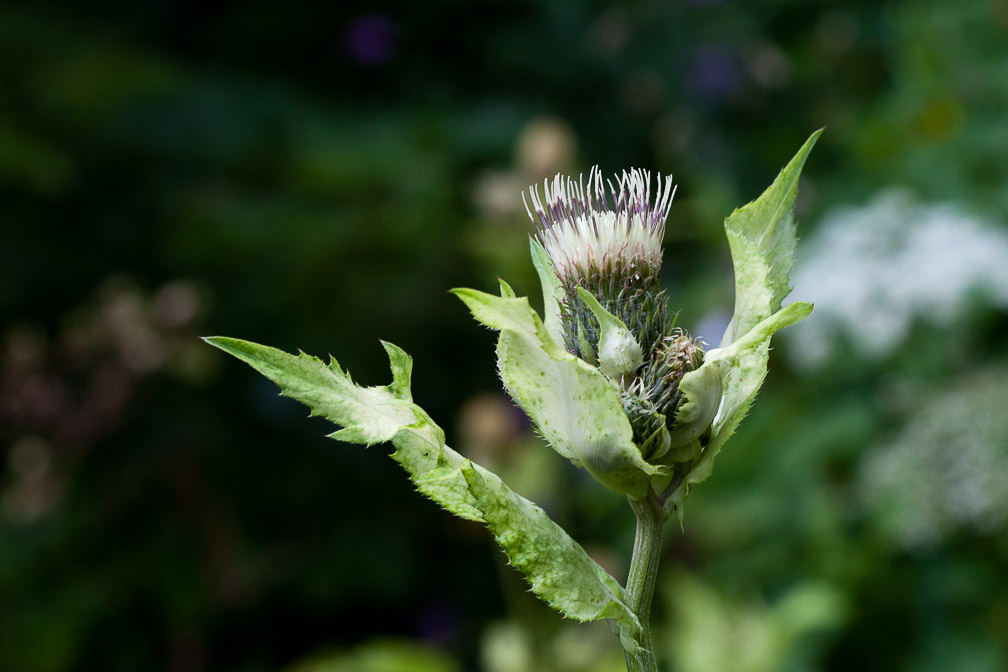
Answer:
(607, 241)
(587, 231)
(605, 249)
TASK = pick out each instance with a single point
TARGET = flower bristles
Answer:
(610, 243)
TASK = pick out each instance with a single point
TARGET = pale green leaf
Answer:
(574, 406)
(760, 334)
(703, 390)
(762, 239)
(744, 366)
(551, 290)
(548, 559)
(505, 288)
(368, 415)
(556, 566)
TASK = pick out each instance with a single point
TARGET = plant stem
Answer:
(650, 513)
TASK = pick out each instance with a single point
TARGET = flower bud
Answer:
(675, 399)
(619, 355)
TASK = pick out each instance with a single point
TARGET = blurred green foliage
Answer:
(256, 169)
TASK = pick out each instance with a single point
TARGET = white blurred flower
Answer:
(947, 469)
(877, 269)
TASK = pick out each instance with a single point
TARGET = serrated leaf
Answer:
(574, 406)
(368, 415)
(745, 366)
(760, 334)
(557, 567)
(762, 239)
(549, 559)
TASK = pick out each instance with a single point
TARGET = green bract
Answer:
(702, 391)
(619, 354)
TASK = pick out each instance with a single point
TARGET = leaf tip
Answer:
(462, 292)
(215, 341)
(233, 346)
(505, 289)
(798, 162)
(799, 310)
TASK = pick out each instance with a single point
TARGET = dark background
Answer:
(318, 176)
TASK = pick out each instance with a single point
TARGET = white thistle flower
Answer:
(607, 242)
(586, 233)
(606, 250)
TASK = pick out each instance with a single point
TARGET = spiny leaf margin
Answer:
(574, 406)
(762, 238)
(560, 572)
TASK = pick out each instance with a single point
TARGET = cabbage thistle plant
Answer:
(608, 379)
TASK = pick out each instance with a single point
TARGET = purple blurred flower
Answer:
(440, 623)
(715, 73)
(370, 39)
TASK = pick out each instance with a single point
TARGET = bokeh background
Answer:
(317, 176)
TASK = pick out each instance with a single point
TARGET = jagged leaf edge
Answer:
(744, 368)
(459, 485)
(761, 236)
(621, 468)
(762, 276)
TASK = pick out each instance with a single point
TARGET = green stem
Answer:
(650, 513)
